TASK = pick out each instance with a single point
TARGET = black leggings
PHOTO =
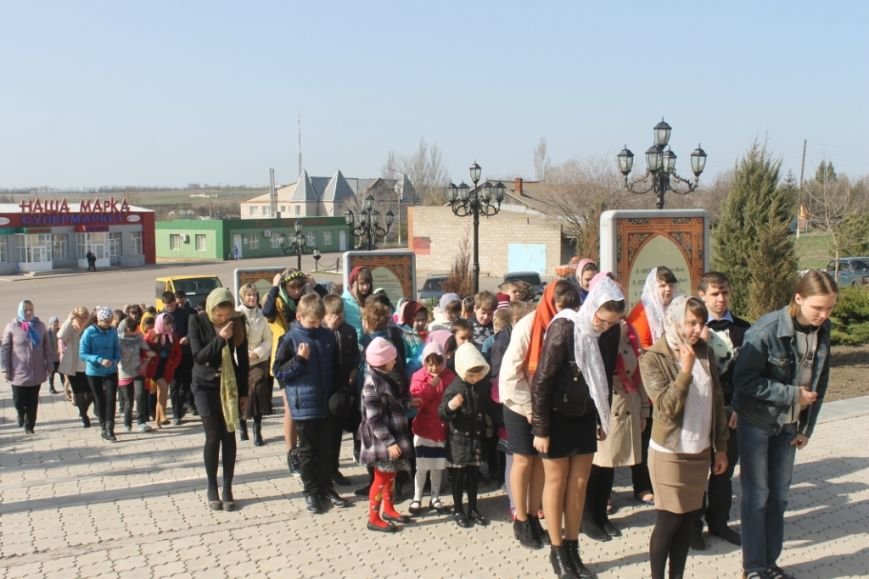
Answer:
(600, 486)
(215, 436)
(670, 539)
(466, 478)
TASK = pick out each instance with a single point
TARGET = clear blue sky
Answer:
(175, 92)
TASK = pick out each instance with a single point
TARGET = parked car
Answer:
(432, 288)
(530, 277)
(853, 271)
(197, 288)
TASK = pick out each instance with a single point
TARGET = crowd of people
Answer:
(544, 399)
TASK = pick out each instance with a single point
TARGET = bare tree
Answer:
(425, 169)
(459, 278)
(838, 208)
(711, 198)
(541, 160)
(578, 191)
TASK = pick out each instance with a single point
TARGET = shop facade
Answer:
(40, 235)
(224, 239)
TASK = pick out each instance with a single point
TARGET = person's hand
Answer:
(184, 341)
(394, 452)
(800, 441)
(242, 404)
(807, 397)
(276, 281)
(720, 464)
(252, 356)
(435, 381)
(731, 423)
(704, 334)
(456, 402)
(106, 363)
(226, 331)
(541, 444)
(601, 435)
(530, 419)
(687, 357)
(303, 351)
(415, 402)
(150, 354)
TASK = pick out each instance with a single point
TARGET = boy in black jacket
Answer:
(346, 398)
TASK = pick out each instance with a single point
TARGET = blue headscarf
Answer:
(28, 325)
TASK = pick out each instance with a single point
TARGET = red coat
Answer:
(153, 340)
(428, 422)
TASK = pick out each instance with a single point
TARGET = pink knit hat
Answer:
(380, 352)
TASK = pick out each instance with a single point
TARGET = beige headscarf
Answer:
(228, 385)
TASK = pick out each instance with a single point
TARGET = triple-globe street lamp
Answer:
(365, 226)
(660, 175)
(298, 244)
(483, 200)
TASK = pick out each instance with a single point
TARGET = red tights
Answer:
(381, 492)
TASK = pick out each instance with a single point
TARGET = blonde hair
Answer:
(814, 283)
(311, 306)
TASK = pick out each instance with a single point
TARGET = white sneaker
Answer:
(144, 428)
(128, 428)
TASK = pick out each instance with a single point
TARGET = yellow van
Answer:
(197, 288)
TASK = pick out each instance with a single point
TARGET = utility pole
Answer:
(300, 144)
(800, 194)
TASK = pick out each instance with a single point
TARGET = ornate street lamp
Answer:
(365, 226)
(660, 175)
(484, 200)
(298, 244)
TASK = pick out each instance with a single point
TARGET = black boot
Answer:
(524, 533)
(575, 561)
(110, 432)
(560, 562)
(242, 430)
(537, 529)
(258, 433)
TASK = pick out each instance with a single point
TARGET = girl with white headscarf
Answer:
(648, 316)
(681, 378)
(570, 410)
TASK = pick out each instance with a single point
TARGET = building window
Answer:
(200, 242)
(283, 208)
(136, 243)
(4, 248)
(327, 238)
(34, 248)
(311, 239)
(95, 242)
(251, 240)
(175, 241)
(251, 210)
(277, 239)
(60, 246)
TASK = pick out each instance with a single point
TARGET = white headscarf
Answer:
(654, 305)
(674, 318)
(586, 350)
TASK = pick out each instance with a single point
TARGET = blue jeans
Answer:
(766, 463)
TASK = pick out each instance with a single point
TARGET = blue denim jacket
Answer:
(764, 378)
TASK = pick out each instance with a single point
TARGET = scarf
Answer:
(161, 330)
(543, 315)
(586, 350)
(653, 305)
(28, 325)
(228, 384)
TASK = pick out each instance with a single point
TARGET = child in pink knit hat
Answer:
(384, 435)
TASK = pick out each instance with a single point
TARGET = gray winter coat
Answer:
(24, 364)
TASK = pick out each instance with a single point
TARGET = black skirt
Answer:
(207, 398)
(571, 435)
(259, 390)
(519, 437)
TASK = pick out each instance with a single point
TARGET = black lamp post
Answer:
(661, 167)
(365, 226)
(317, 257)
(481, 200)
(298, 244)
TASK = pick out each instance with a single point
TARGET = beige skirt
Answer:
(679, 480)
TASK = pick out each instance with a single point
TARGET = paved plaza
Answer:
(73, 505)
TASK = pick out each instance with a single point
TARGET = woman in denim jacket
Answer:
(780, 379)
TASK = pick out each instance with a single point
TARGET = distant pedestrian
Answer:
(26, 360)
(779, 381)
(92, 260)
(236, 253)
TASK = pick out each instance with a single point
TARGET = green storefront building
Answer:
(225, 239)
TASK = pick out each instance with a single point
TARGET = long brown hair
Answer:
(815, 282)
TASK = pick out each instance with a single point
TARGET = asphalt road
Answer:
(57, 294)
